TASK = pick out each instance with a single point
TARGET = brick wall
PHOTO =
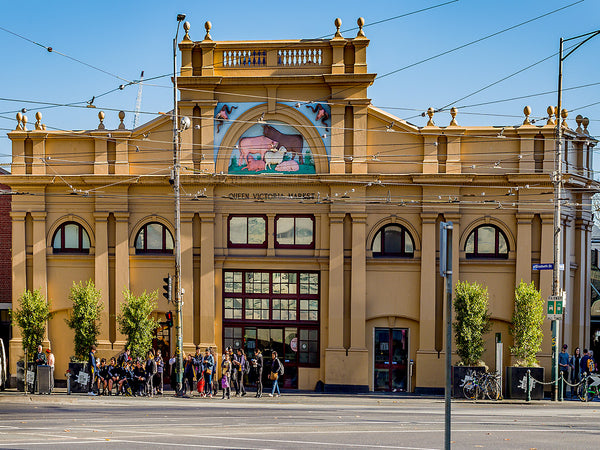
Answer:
(5, 247)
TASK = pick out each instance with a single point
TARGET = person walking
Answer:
(92, 369)
(276, 369)
(233, 377)
(226, 373)
(242, 369)
(189, 373)
(574, 363)
(258, 366)
(208, 367)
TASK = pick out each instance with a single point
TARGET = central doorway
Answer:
(391, 359)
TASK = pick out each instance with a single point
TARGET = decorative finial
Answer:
(101, 117)
(24, 122)
(121, 117)
(207, 27)
(19, 120)
(38, 121)
(186, 28)
(430, 113)
(585, 123)
(338, 23)
(564, 114)
(453, 112)
(579, 119)
(361, 23)
(550, 112)
(527, 112)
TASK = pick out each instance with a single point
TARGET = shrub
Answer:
(85, 318)
(472, 321)
(526, 327)
(136, 322)
(31, 317)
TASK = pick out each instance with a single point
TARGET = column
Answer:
(121, 266)
(359, 283)
(577, 314)
(546, 256)
(271, 235)
(38, 166)
(427, 363)
(19, 282)
(336, 281)
(430, 154)
(453, 163)
(567, 283)
(101, 276)
(39, 252)
(337, 164)
(207, 133)
(523, 250)
(207, 280)
(187, 281)
(121, 152)
(100, 153)
(359, 163)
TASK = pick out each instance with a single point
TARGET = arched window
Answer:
(154, 237)
(393, 240)
(487, 241)
(71, 238)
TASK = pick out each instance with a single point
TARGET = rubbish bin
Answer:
(45, 381)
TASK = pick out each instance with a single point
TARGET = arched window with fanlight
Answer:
(70, 237)
(487, 241)
(393, 240)
(154, 237)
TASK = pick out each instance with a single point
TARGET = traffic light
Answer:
(168, 287)
(169, 317)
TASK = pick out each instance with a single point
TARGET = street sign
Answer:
(547, 266)
(555, 307)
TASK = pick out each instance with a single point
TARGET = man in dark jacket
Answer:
(92, 369)
(258, 366)
(40, 360)
(241, 368)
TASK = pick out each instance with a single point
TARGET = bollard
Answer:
(562, 387)
(528, 385)
(68, 384)
(586, 388)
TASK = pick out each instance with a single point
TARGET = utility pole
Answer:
(558, 182)
(446, 272)
(176, 188)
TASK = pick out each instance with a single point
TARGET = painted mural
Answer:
(269, 148)
(272, 147)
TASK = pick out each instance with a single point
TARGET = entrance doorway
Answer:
(391, 359)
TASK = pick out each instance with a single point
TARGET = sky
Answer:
(122, 38)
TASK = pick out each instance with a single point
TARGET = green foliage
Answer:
(31, 317)
(85, 318)
(136, 322)
(526, 327)
(472, 321)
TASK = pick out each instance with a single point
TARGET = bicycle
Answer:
(485, 385)
(588, 388)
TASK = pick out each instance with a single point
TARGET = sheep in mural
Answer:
(274, 157)
(258, 145)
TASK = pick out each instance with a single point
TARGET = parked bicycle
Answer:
(482, 385)
(589, 387)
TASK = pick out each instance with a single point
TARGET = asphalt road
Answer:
(291, 421)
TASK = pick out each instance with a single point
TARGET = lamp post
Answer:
(176, 188)
(557, 199)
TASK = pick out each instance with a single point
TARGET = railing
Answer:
(300, 57)
(244, 58)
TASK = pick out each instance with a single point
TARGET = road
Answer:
(292, 421)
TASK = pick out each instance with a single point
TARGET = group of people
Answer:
(577, 364)
(200, 372)
(130, 377)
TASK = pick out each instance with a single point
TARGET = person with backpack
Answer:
(276, 371)
(208, 366)
(242, 367)
(587, 363)
(226, 370)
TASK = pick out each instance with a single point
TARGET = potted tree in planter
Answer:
(472, 321)
(84, 320)
(31, 317)
(526, 330)
(136, 322)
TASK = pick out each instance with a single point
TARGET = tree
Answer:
(136, 322)
(32, 318)
(526, 327)
(472, 321)
(85, 318)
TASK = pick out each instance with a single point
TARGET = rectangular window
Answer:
(308, 346)
(309, 283)
(284, 309)
(233, 308)
(233, 282)
(294, 231)
(284, 282)
(247, 231)
(257, 282)
(309, 310)
(257, 309)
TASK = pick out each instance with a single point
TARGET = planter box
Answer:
(516, 383)
(80, 379)
(460, 375)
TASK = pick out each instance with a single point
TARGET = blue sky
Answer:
(125, 37)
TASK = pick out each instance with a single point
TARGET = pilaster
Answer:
(523, 250)
(337, 164)
(207, 280)
(359, 282)
(359, 160)
(121, 265)
(101, 276)
(187, 277)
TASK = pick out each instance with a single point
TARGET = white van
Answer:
(3, 366)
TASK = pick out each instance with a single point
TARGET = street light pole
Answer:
(177, 244)
(557, 179)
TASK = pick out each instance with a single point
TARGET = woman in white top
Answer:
(50, 358)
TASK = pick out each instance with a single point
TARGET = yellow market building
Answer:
(309, 217)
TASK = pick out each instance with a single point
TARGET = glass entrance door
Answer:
(391, 359)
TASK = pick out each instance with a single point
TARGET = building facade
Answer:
(5, 262)
(309, 220)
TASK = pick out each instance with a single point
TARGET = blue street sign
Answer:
(548, 266)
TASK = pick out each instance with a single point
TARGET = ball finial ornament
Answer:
(527, 112)
(121, 115)
(453, 113)
(19, 119)
(101, 118)
(361, 23)
(207, 27)
(338, 23)
(186, 28)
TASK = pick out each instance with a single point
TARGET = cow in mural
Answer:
(292, 142)
(223, 115)
(322, 115)
(258, 145)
